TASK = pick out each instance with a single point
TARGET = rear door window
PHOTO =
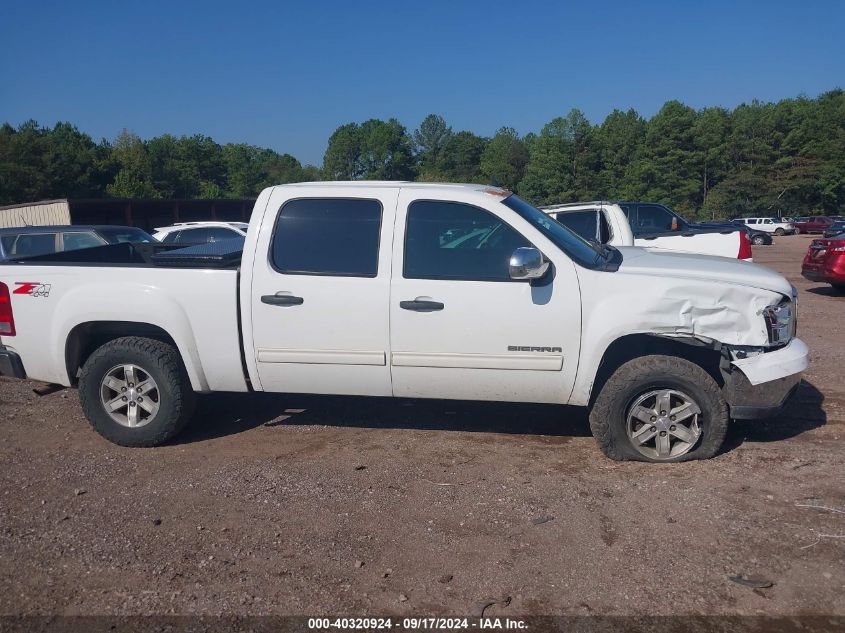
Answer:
(32, 244)
(219, 233)
(192, 236)
(205, 235)
(328, 236)
(75, 241)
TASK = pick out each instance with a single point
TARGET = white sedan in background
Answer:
(189, 233)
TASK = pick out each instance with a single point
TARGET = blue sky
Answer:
(285, 74)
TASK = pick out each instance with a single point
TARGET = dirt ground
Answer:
(335, 505)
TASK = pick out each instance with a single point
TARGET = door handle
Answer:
(421, 306)
(282, 300)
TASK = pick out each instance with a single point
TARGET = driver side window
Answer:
(450, 240)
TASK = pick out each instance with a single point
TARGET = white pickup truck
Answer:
(409, 290)
(649, 225)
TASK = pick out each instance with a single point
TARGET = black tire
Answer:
(780, 232)
(839, 287)
(758, 240)
(608, 415)
(176, 398)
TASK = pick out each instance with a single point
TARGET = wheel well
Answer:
(86, 338)
(635, 345)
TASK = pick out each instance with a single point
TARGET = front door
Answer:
(320, 300)
(460, 327)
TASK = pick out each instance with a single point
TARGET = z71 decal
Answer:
(34, 289)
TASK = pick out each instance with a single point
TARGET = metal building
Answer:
(35, 214)
(146, 214)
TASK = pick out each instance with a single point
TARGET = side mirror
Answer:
(527, 263)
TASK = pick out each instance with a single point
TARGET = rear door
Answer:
(319, 295)
(460, 327)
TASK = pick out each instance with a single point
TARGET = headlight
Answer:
(780, 322)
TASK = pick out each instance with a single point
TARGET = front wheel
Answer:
(758, 240)
(780, 232)
(660, 409)
(135, 392)
(797, 231)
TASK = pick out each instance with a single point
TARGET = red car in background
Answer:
(815, 224)
(825, 262)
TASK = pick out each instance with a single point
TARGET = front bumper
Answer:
(10, 363)
(764, 383)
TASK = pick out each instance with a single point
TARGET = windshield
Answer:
(119, 235)
(582, 252)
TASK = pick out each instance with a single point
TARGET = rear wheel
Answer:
(135, 392)
(659, 409)
(780, 232)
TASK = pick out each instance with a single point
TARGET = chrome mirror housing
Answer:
(527, 263)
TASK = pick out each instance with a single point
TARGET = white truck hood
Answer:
(640, 261)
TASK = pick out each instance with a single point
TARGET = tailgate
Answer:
(31, 294)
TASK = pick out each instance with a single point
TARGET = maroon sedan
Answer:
(825, 262)
(815, 224)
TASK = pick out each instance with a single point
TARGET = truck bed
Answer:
(107, 286)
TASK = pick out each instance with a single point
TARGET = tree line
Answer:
(759, 158)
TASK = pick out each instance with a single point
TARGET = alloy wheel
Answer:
(130, 395)
(663, 424)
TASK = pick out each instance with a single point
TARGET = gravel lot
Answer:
(327, 505)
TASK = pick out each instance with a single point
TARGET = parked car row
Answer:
(649, 225)
(619, 224)
(418, 290)
(30, 241)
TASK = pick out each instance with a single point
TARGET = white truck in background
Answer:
(413, 290)
(649, 225)
(774, 226)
